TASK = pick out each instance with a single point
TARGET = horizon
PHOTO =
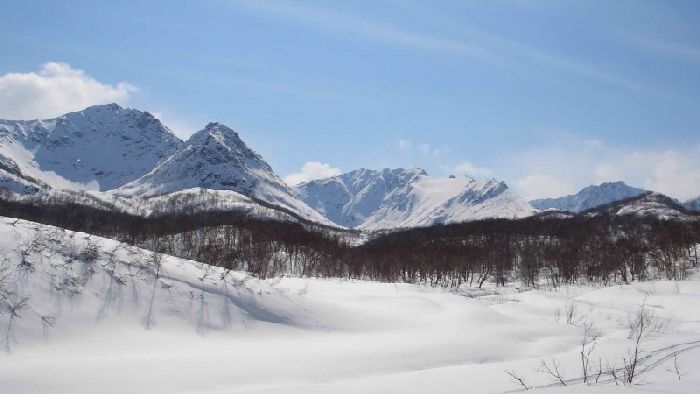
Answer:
(546, 97)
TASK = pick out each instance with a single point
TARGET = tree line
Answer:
(539, 250)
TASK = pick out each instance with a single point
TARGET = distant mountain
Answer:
(694, 204)
(589, 197)
(103, 146)
(392, 198)
(216, 158)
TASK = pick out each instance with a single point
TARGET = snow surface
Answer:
(208, 333)
(392, 198)
(590, 197)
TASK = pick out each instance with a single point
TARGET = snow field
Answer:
(127, 322)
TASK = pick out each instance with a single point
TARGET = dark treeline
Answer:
(534, 250)
(538, 250)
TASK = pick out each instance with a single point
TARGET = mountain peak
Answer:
(103, 146)
(104, 107)
(216, 158)
(220, 127)
(590, 197)
(221, 133)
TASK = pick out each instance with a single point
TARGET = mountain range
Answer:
(128, 157)
(394, 198)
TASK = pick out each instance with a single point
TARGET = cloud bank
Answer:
(559, 170)
(56, 88)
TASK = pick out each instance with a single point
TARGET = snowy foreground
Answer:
(82, 314)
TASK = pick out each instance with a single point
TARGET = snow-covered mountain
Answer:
(102, 147)
(589, 197)
(693, 204)
(130, 153)
(391, 198)
(216, 158)
(649, 204)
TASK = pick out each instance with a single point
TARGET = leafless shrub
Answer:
(154, 265)
(88, 256)
(518, 379)
(553, 369)
(14, 308)
(641, 325)
(5, 277)
(676, 369)
(47, 322)
(588, 343)
(202, 315)
(611, 369)
(571, 314)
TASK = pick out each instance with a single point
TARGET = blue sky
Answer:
(549, 96)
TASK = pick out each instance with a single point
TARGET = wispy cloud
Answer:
(520, 50)
(467, 168)
(333, 21)
(680, 50)
(403, 145)
(483, 46)
(296, 90)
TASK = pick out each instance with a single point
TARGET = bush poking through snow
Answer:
(642, 324)
(519, 380)
(552, 368)
(588, 344)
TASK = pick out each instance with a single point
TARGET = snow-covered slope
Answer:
(589, 197)
(188, 201)
(102, 147)
(654, 205)
(16, 184)
(216, 158)
(393, 198)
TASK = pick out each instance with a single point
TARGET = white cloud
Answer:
(538, 186)
(468, 168)
(310, 171)
(403, 145)
(55, 89)
(673, 172)
(424, 149)
(557, 170)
